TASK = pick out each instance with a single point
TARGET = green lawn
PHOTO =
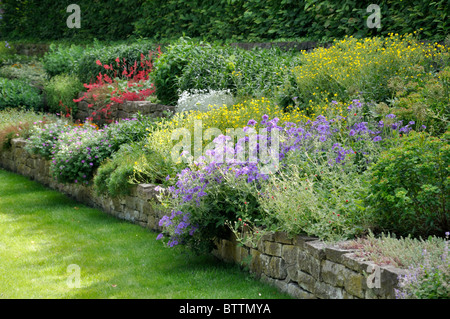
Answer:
(42, 232)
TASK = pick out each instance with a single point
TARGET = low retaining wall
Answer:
(303, 267)
(123, 110)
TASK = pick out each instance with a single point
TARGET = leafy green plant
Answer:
(60, 92)
(410, 189)
(114, 176)
(189, 65)
(323, 202)
(61, 59)
(15, 93)
(168, 67)
(400, 252)
(428, 280)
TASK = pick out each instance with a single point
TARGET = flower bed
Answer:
(302, 266)
(335, 162)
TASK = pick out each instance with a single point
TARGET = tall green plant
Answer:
(410, 187)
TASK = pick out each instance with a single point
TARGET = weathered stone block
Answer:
(309, 264)
(259, 262)
(289, 253)
(296, 291)
(316, 249)
(147, 191)
(272, 248)
(333, 273)
(335, 253)
(282, 237)
(323, 290)
(354, 283)
(276, 268)
(388, 281)
(305, 281)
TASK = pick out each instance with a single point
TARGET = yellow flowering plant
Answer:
(358, 68)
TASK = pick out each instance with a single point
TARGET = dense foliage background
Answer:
(221, 19)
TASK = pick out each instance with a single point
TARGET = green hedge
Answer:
(27, 19)
(222, 19)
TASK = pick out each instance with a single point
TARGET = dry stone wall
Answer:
(303, 267)
(127, 109)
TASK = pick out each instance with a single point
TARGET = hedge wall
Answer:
(46, 19)
(222, 19)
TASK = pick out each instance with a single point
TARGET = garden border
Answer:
(303, 267)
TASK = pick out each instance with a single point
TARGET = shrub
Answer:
(410, 187)
(60, 59)
(248, 73)
(168, 67)
(188, 65)
(60, 91)
(114, 176)
(15, 93)
(358, 68)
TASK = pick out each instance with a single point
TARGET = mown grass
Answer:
(42, 232)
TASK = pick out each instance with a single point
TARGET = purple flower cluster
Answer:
(245, 163)
(179, 222)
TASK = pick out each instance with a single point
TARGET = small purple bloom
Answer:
(377, 138)
(251, 123)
